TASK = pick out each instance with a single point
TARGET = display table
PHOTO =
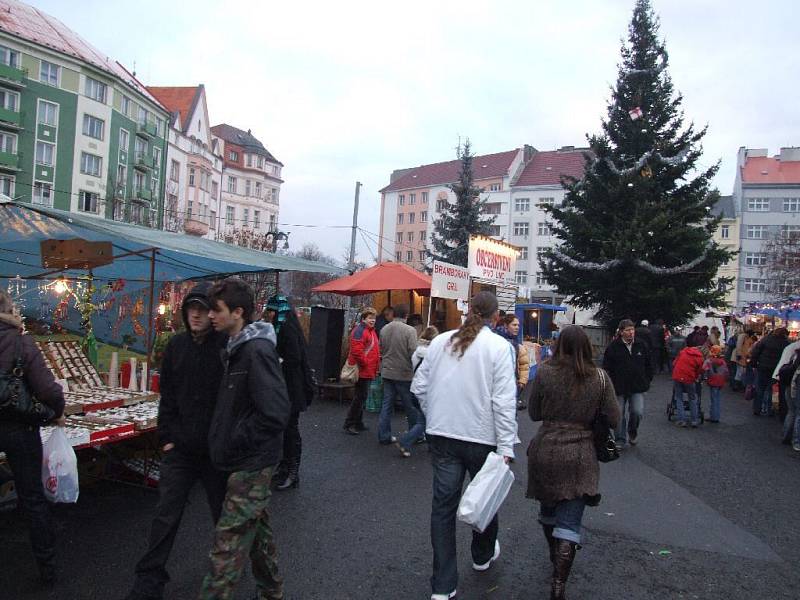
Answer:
(335, 388)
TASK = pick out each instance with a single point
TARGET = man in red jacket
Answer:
(686, 372)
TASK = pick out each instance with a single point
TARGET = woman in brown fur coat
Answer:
(563, 471)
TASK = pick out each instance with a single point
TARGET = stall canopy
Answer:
(380, 278)
(174, 256)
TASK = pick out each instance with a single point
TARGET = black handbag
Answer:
(16, 401)
(604, 443)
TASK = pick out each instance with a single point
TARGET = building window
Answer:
(273, 223)
(122, 177)
(756, 232)
(401, 200)
(495, 187)
(8, 143)
(91, 164)
(204, 179)
(276, 170)
(125, 106)
(412, 198)
(142, 115)
(423, 235)
(140, 147)
(411, 217)
(234, 156)
(189, 209)
(256, 218)
(758, 204)
(260, 162)
(93, 127)
(246, 217)
(249, 159)
(138, 181)
(398, 256)
(494, 230)
(541, 279)
(214, 189)
(124, 140)
(424, 197)
(421, 255)
(791, 205)
(231, 184)
(521, 277)
(540, 252)
(754, 285)
(230, 215)
(409, 255)
(258, 189)
(9, 57)
(44, 153)
(441, 204)
(87, 202)
(159, 127)
(755, 259)
(96, 90)
(522, 204)
(399, 237)
(48, 73)
(175, 171)
(213, 219)
(247, 185)
(410, 236)
(492, 208)
(523, 253)
(790, 231)
(9, 100)
(543, 228)
(521, 228)
(423, 216)
(724, 232)
(191, 177)
(7, 185)
(546, 201)
(48, 113)
(43, 194)
(400, 218)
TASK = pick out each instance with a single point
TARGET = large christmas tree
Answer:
(635, 231)
(459, 220)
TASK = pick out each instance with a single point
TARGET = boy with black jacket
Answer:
(190, 374)
(246, 439)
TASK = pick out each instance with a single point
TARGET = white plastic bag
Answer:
(59, 468)
(486, 492)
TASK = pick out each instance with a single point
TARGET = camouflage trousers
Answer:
(244, 529)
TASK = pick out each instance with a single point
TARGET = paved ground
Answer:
(707, 513)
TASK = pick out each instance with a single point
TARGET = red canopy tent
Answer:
(382, 277)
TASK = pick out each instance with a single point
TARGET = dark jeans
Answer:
(23, 448)
(179, 472)
(452, 460)
(355, 415)
(762, 401)
(565, 517)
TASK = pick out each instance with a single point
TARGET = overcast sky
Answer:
(346, 91)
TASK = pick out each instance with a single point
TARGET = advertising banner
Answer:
(492, 260)
(449, 281)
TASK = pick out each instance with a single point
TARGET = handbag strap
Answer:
(602, 392)
(19, 363)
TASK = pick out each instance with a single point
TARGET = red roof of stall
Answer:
(380, 278)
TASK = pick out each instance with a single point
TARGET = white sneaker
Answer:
(489, 562)
(443, 596)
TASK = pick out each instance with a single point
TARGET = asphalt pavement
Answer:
(705, 513)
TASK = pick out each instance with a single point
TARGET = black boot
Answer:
(280, 475)
(564, 555)
(293, 475)
(551, 541)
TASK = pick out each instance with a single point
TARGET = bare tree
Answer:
(781, 263)
(298, 285)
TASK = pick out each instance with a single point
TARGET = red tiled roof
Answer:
(765, 169)
(546, 168)
(179, 100)
(33, 25)
(484, 167)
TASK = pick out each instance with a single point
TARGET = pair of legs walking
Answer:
(762, 400)
(690, 389)
(288, 472)
(561, 523)
(393, 388)
(791, 424)
(354, 421)
(631, 410)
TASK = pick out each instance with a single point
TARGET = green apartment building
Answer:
(78, 132)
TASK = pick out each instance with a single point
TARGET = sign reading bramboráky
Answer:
(449, 281)
(491, 260)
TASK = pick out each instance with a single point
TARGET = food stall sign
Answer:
(491, 260)
(449, 281)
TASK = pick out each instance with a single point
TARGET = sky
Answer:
(349, 91)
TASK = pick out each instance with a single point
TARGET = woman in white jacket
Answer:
(467, 389)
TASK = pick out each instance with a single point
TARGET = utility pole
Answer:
(352, 260)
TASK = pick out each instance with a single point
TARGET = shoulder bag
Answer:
(350, 373)
(16, 401)
(604, 443)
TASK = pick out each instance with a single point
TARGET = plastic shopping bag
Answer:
(485, 493)
(59, 468)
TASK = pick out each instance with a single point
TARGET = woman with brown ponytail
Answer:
(466, 387)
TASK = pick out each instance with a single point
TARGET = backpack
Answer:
(787, 371)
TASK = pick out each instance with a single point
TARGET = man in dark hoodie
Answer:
(190, 374)
(246, 439)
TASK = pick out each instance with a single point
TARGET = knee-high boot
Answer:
(564, 556)
(551, 541)
(293, 468)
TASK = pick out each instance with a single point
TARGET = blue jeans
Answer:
(762, 401)
(631, 410)
(716, 395)
(678, 389)
(565, 517)
(452, 460)
(391, 388)
(417, 431)
(791, 425)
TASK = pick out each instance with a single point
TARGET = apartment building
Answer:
(194, 163)
(251, 181)
(767, 201)
(78, 132)
(727, 236)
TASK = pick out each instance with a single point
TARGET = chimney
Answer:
(567, 149)
(527, 153)
(790, 154)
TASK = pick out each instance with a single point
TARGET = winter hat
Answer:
(645, 322)
(715, 350)
(280, 304)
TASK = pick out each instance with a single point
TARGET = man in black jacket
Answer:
(191, 370)
(764, 358)
(627, 361)
(246, 439)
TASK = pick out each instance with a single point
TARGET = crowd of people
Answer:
(233, 425)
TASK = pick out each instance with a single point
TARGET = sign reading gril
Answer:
(449, 281)
(491, 259)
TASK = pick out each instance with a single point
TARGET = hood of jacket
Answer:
(253, 331)
(199, 294)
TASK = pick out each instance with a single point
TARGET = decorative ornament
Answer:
(635, 113)
(608, 265)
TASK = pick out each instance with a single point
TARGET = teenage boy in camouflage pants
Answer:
(246, 439)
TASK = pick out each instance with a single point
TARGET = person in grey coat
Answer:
(398, 343)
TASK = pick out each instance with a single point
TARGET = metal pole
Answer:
(352, 258)
(150, 318)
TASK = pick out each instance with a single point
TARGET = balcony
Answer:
(142, 194)
(147, 129)
(9, 161)
(144, 161)
(10, 117)
(12, 76)
(196, 225)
